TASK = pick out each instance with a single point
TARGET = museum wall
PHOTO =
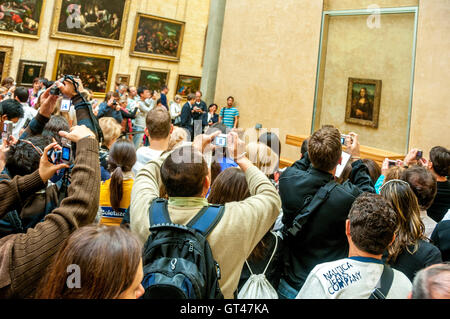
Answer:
(357, 51)
(271, 67)
(193, 12)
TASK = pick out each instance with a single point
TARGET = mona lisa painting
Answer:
(363, 102)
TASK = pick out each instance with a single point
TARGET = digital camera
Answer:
(63, 156)
(221, 140)
(7, 129)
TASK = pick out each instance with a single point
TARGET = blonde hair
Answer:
(111, 130)
(178, 135)
(410, 228)
(263, 157)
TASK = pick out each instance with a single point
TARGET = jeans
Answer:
(137, 138)
(285, 291)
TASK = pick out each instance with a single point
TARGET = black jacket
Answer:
(186, 116)
(323, 237)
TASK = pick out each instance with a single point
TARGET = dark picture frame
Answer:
(363, 102)
(157, 38)
(152, 79)
(94, 21)
(94, 70)
(123, 79)
(28, 71)
(22, 19)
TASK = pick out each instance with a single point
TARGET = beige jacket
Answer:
(242, 226)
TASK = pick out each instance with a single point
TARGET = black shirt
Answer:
(441, 203)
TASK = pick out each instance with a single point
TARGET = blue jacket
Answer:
(106, 111)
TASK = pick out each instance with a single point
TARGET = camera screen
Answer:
(66, 154)
(221, 141)
(65, 105)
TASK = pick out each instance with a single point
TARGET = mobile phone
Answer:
(7, 129)
(419, 155)
(65, 105)
(392, 163)
(66, 155)
(221, 140)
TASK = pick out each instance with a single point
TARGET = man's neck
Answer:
(159, 145)
(355, 252)
(438, 178)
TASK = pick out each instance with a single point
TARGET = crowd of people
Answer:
(146, 187)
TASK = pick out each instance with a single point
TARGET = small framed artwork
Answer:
(21, 18)
(187, 84)
(95, 71)
(152, 79)
(156, 37)
(94, 21)
(363, 102)
(123, 79)
(5, 61)
(28, 71)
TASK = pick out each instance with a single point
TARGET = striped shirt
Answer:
(229, 116)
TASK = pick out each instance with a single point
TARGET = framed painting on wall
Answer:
(28, 71)
(21, 18)
(123, 79)
(152, 79)
(156, 37)
(363, 102)
(94, 21)
(5, 61)
(187, 84)
(95, 71)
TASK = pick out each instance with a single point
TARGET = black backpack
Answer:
(178, 262)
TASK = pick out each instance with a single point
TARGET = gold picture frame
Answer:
(28, 71)
(151, 78)
(187, 84)
(363, 108)
(148, 44)
(17, 22)
(5, 61)
(78, 64)
(60, 31)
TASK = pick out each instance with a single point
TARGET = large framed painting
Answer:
(153, 79)
(94, 21)
(28, 71)
(95, 71)
(187, 84)
(363, 102)
(21, 18)
(156, 37)
(5, 61)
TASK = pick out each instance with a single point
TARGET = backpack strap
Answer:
(321, 195)
(384, 284)
(270, 260)
(158, 213)
(207, 219)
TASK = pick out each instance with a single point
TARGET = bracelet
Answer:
(240, 156)
(356, 157)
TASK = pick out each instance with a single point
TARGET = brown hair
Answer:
(410, 228)
(374, 169)
(229, 186)
(263, 157)
(122, 158)
(183, 172)
(108, 259)
(158, 123)
(423, 183)
(325, 148)
(440, 157)
(372, 223)
(394, 173)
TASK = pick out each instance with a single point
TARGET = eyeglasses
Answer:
(37, 148)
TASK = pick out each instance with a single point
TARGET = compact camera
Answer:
(343, 138)
(419, 155)
(7, 130)
(65, 105)
(63, 156)
(221, 140)
(392, 163)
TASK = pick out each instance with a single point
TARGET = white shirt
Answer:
(350, 278)
(144, 107)
(28, 113)
(144, 155)
(175, 110)
(429, 223)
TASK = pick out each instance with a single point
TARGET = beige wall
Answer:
(354, 50)
(269, 59)
(193, 12)
(430, 123)
(268, 63)
(363, 4)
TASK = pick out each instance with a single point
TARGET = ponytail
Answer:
(115, 188)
